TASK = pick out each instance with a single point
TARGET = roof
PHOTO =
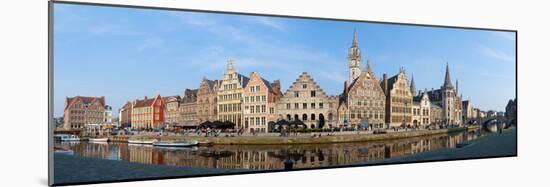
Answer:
(417, 98)
(174, 97)
(145, 103)
(447, 83)
(435, 95)
(244, 79)
(436, 105)
(85, 100)
(190, 95)
(213, 83)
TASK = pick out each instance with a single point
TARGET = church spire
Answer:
(447, 83)
(354, 59)
(413, 87)
(354, 43)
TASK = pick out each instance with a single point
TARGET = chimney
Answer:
(276, 85)
(385, 83)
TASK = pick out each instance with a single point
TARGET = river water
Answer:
(268, 157)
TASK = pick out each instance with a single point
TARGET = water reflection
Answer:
(268, 157)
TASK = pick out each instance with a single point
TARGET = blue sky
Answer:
(124, 53)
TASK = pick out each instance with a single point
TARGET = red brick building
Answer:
(125, 114)
(81, 110)
(148, 113)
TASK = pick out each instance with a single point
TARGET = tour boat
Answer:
(150, 141)
(66, 137)
(176, 144)
(63, 150)
(99, 139)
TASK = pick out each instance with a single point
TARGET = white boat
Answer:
(99, 139)
(151, 141)
(66, 137)
(63, 151)
(176, 144)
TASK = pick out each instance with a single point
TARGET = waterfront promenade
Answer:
(490, 145)
(304, 138)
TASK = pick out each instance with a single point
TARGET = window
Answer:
(296, 105)
(321, 105)
(312, 93)
(288, 106)
(252, 89)
(263, 108)
(252, 99)
(258, 99)
(296, 94)
(304, 86)
(304, 105)
(312, 116)
(263, 121)
(263, 98)
(257, 108)
(246, 99)
(257, 120)
(257, 88)
(304, 117)
(313, 105)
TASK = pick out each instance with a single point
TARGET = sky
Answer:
(127, 53)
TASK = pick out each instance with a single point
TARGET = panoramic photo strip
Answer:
(149, 93)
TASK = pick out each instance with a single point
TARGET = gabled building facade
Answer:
(188, 108)
(125, 114)
(260, 97)
(365, 101)
(306, 101)
(398, 99)
(230, 95)
(172, 116)
(81, 110)
(421, 109)
(207, 100)
(148, 113)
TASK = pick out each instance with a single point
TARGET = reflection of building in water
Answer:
(145, 154)
(271, 157)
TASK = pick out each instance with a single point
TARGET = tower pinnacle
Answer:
(413, 87)
(447, 83)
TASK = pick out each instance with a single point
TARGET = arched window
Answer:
(312, 116)
(296, 117)
(288, 116)
(304, 117)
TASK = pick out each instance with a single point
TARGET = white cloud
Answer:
(506, 35)
(272, 23)
(496, 54)
(151, 42)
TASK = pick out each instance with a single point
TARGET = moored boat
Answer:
(98, 139)
(63, 150)
(66, 137)
(176, 143)
(151, 141)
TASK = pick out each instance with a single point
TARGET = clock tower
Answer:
(354, 59)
